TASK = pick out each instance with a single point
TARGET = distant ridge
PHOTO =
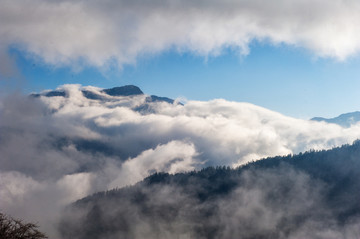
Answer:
(127, 90)
(51, 94)
(344, 120)
(154, 98)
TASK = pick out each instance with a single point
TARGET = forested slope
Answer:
(309, 195)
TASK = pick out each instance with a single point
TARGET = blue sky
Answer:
(299, 58)
(286, 79)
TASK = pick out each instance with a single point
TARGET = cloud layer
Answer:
(58, 149)
(100, 33)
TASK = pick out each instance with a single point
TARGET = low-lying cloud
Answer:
(276, 202)
(58, 149)
(100, 33)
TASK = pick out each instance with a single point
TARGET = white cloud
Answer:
(101, 32)
(174, 157)
(75, 186)
(58, 149)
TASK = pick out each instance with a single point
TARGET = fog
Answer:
(282, 202)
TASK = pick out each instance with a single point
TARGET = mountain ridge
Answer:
(126, 90)
(344, 120)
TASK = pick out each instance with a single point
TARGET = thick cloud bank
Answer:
(96, 32)
(58, 149)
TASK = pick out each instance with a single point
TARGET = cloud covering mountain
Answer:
(58, 149)
(310, 195)
(100, 33)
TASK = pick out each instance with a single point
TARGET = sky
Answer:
(299, 58)
(290, 60)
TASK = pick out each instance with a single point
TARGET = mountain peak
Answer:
(126, 90)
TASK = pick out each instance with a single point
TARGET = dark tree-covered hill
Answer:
(311, 195)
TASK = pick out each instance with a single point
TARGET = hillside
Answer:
(309, 195)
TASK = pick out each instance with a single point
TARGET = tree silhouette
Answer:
(11, 228)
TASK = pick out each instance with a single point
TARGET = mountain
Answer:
(309, 195)
(127, 90)
(344, 120)
(50, 94)
(154, 98)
